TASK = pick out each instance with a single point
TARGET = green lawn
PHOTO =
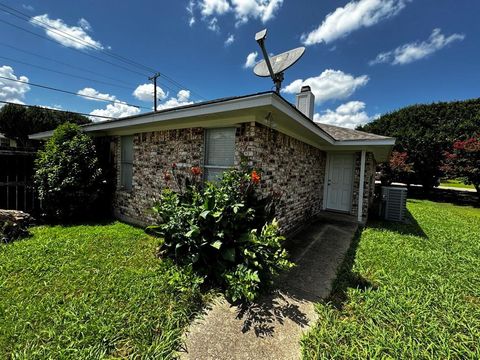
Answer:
(413, 291)
(456, 184)
(91, 292)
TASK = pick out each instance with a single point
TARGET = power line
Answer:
(74, 38)
(131, 86)
(26, 17)
(73, 93)
(81, 52)
(66, 64)
(63, 73)
(64, 111)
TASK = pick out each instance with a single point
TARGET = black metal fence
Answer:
(16, 180)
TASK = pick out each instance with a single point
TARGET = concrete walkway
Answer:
(272, 328)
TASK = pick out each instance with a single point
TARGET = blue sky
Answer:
(363, 58)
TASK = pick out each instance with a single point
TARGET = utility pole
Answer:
(154, 78)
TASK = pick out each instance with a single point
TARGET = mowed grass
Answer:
(413, 291)
(456, 184)
(91, 292)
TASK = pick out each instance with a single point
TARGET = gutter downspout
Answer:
(361, 187)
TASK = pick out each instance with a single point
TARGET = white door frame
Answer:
(325, 183)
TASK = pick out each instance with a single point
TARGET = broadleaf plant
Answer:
(224, 230)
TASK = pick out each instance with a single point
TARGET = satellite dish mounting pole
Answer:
(276, 66)
(277, 78)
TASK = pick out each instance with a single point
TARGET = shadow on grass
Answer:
(83, 222)
(409, 227)
(456, 197)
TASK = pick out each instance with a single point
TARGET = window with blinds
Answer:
(219, 152)
(126, 165)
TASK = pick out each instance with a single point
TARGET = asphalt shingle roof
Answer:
(342, 134)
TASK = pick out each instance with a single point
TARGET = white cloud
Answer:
(214, 7)
(414, 51)
(84, 24)
(350, 115)
(60, 29)
(28, 7)
(251, 60)
(230, 39)
(51, 107)
(351, 17)
(255, 9)
(182, 98)
(116, 110)
(243, 10)
(88, 91)
(329, 85)
(12, 91)
(213, 25)
(190, 7)
(144, 92)
(121, 109)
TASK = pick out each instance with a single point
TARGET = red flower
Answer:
(196, 170)
(167, 177)
(255, 177)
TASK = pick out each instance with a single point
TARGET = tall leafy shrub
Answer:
(67, 175)
(464, 161)
(224, 231)
(425, 132)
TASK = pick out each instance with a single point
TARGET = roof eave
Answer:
(367, 142)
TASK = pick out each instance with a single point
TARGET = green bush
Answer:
(67, 176)
(214, 227)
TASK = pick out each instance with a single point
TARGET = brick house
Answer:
(314, 167)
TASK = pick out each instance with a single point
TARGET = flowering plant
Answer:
(255, 177)
(225, 231)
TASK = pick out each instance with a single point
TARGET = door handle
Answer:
(329, 182)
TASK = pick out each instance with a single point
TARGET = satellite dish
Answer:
(279, 62)
(276, 65)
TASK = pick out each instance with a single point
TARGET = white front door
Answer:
(340, 182)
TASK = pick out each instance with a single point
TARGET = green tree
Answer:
(425, 132)
(68, 175)
(17, 121)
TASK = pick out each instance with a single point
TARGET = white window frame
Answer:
(206, 164)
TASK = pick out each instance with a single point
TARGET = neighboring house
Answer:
(314, 167)
(6, 142)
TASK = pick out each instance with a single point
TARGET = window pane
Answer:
(126, 166)
(213, 174)
(127, 149)
(220, 147)
(127, 176)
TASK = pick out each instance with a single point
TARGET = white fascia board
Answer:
(366, 142)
